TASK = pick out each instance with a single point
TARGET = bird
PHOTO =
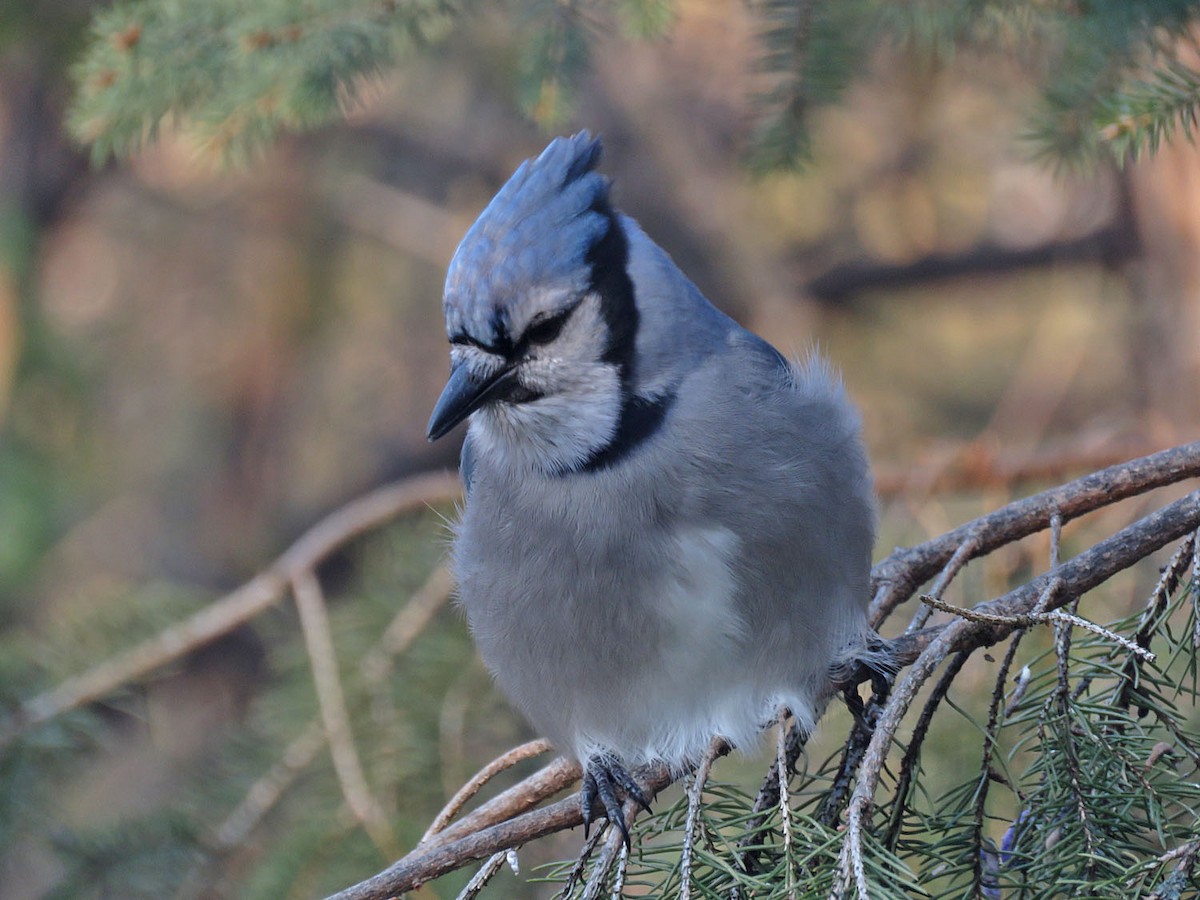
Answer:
(668, 525)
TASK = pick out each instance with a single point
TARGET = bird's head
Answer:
(541, 316)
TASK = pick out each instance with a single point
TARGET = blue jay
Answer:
(668, 527)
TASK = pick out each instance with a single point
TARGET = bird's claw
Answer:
(875, 666)
(602, 777)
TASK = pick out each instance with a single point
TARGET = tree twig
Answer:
(1079, 575)
(485, 874)
(430, 861)
(483, 776)
(581, 861)
(318, 639)
(1035, 618)
(897, 578)
(303, 750)
(695, 800)
(227, 613)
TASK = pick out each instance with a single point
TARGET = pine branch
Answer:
(1083, 572)
(1140, 118)
(897, 578)
(234, 74)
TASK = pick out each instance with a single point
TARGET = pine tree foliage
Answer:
(236, 73)
(1116, 76)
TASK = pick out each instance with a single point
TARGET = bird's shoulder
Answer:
(747, 382)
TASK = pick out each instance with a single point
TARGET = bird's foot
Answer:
(875, 665)
(602, 776)
(880, 666)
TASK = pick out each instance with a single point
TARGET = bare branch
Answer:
(406, 625)
(1079, 575)
(964, 552)
(318, 639)
(581, 861)
(266, 791)
(612, 853)
(482, 777)
(695, 800)
(543, 784)
(1175, 883)
(1044, 618)
(897, 578)
(483, 876)
(425, 864)
(224, 615)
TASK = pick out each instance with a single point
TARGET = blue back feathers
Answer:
(536, 233)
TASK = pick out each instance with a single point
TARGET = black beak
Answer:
(464, 393)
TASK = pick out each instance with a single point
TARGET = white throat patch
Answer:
(580, 406)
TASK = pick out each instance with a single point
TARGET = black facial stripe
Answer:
(607, 259)
(545, 329)
(462, 339)
(502, 344)
(503, 336)
(640, 420)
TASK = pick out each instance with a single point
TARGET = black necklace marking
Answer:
(641, 419)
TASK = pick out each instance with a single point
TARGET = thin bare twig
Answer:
(897, 578)
(768, 797)
(318, 639)
(379, 661)
(266, 791)
(1062, 699)
(951, 569)
(303, 750)
(227, 613)
(1077, 576)
(619, 877)
(1174, 884)
(581, 861)
(1034, 618)
(614, 845)
(556, 776)
(985, 764)
(407, 625)
(1196, 590)
(1156, 606)
(785, 805)
(695, 799)
(485, 874)
(483, 776)
(912, 753)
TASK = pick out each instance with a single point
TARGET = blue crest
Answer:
(536, 232)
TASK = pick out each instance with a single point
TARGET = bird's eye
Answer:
(546, 330)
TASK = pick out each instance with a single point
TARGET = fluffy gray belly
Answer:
(607, 643)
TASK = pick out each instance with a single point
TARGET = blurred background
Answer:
(198, 362)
